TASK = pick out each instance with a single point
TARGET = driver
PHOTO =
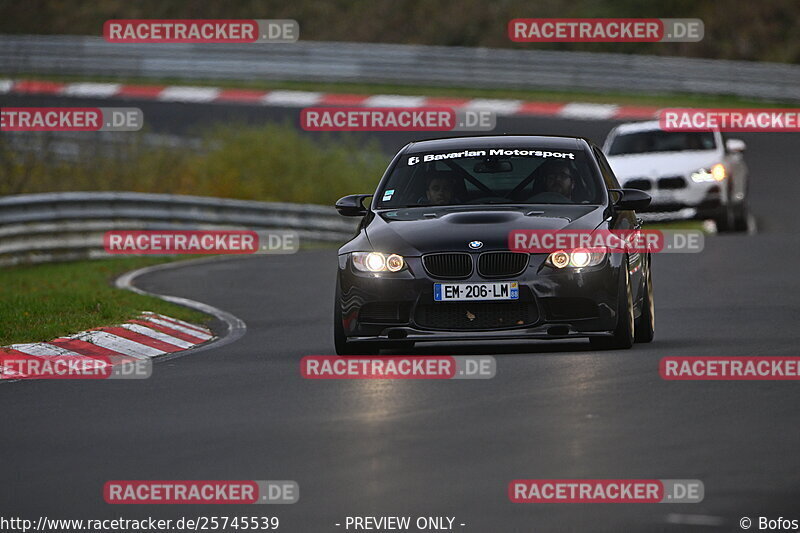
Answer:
(440, 190)
(559, 177)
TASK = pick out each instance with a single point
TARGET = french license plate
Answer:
(470, 292)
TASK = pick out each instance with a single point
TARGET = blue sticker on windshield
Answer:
(387, 195)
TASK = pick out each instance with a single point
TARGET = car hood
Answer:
(656, 165)
(418, 231)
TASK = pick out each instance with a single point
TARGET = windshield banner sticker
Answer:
(413, 160)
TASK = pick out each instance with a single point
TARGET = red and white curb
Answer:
(150, 335)
(285, 98)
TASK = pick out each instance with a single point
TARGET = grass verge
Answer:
(42, 302)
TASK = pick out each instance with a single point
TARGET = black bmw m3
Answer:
(431, 260)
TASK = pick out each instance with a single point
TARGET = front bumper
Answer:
(552, 304)
(700, 200)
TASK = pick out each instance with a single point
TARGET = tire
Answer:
(726, 221)
(741, 214)
(622, 336)
(340, 342)
(645, 325)
(734, 216)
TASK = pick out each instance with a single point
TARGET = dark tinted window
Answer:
(479, 176)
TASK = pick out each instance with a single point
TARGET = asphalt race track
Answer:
(441, 448)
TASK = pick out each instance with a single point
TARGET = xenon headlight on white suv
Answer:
(577, 258)
(378, 262)
(705, 175)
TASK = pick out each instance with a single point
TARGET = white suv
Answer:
(690, 174)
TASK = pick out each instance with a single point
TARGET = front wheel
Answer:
(645, 326)
(622, 336)
(740, 216)
(726, 220)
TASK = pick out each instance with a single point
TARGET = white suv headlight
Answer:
(715, 173)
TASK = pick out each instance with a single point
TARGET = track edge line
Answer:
(236, 327)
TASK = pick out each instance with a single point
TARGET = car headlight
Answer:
(577, 258)
(378, 262)
(705, 175)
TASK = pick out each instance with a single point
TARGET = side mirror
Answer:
(352, 205)
(629, 199)
(735, 145)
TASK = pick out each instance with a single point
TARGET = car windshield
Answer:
(492, 176)
(661, 141)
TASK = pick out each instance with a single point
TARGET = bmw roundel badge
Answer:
(475, 245)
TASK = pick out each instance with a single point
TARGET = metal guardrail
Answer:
(37, 228)
(398, 64)
(76, 146)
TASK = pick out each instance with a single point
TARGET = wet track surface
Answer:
(554, 410)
